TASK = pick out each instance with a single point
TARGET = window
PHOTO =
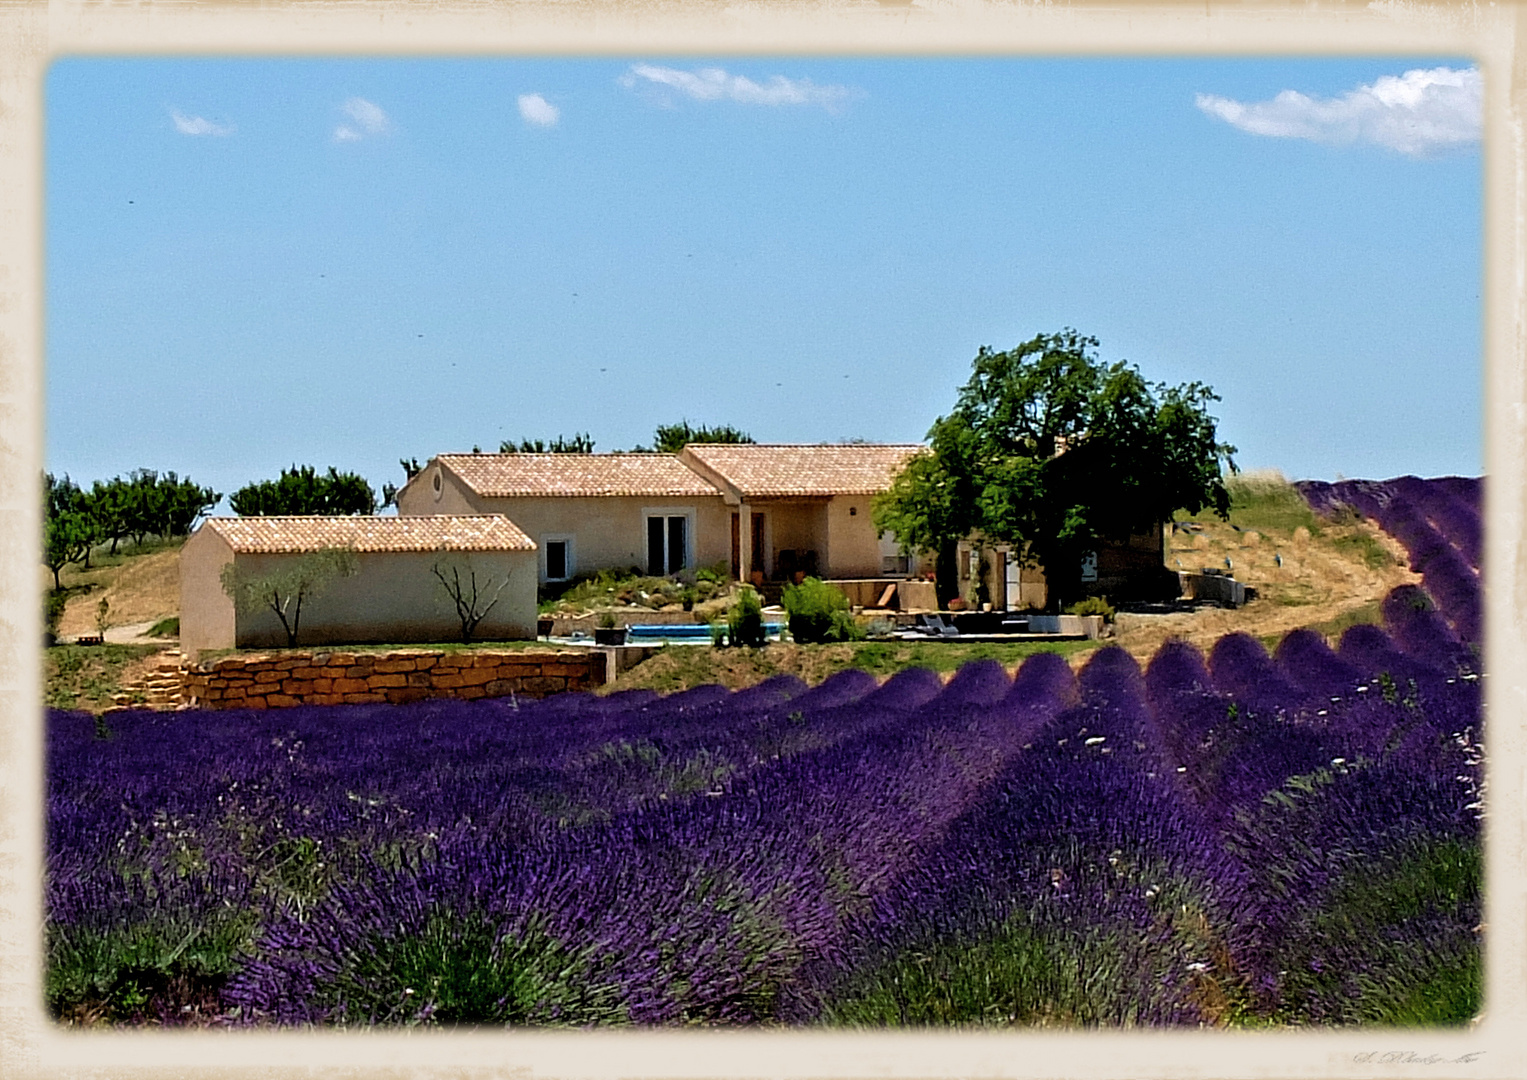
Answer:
(556, 558)
(667, 543)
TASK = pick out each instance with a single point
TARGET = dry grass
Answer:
(140, 588)
(1329, 578)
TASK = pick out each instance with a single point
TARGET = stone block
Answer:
(545, 684)
(349, 686)
(379, 682)
(565, 669)
(389, 667)
(447, 682)
(297, 687)
(471, 693)
(306, 671)
(335, 671)
(327, 699)
(282, 701)
(403, 695)
(266, 675)
(501, 687)
(364, 699)
(478, 676)
(420, 679)
(252, 703)
(323, 686)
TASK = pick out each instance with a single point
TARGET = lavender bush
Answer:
(1244, 838)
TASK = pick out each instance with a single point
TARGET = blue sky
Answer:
(252, 263)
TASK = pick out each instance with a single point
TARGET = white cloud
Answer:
(1417, 113)
(195, 125)
(366, 119)
(714, 84)
(535, 109)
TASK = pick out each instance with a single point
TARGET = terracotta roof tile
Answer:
(498, 476)
(761, 470)
(436, 532)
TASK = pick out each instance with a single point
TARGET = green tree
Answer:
(69, 525)
(285, 589)
(579, 443)
(111, 503)
(68, 531)
(303, 491)
(1054, 451)
(671, 438)
(181, 502)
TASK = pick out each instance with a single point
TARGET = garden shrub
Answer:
(819, 612)
(1093, 605)
(745, 624)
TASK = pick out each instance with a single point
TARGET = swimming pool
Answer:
(685, 632)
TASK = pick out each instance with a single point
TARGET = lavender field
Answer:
(1241, 838)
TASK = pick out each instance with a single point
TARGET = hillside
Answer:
(141, 587)
(1308, 572)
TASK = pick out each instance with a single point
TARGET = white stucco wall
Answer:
(420, 495)
(206, 613)
(610, 532)
(396, 598)
(853, 543)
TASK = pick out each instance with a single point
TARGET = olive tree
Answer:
(473, 600)
(284, 589)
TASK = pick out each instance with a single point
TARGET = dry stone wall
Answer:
(348, 678)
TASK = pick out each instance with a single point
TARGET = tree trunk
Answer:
(946, 585)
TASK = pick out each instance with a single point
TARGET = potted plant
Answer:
(607, 633)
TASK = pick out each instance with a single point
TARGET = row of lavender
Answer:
(1439, 523)
(1290, 837)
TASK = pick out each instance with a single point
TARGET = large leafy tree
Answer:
(304, 491)
(1054, 451)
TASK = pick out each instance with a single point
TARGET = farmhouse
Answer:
(803, 509)
(394, 595)
(770, 510)
(585, 512)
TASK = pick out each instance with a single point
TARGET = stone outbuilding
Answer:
(394, 594)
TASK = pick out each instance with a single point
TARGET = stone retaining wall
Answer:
(347, 678)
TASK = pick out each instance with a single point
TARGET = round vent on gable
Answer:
(437, 485)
